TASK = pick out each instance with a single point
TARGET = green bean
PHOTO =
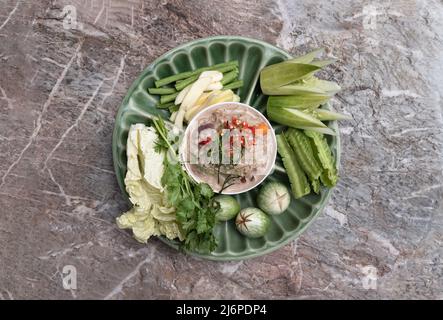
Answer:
(180, 85)
(173, 78)
(229, 77)
(233, 85)
(187, 74)
(218, 67)
(161, 90)
(168, 97)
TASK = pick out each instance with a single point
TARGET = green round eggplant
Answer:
(228, 207)
(274, 198)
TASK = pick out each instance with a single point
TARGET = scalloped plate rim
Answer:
(173, 243)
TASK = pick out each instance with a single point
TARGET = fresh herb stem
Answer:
(193, 202)
(161, 130)
(188, 187)
(229, 181)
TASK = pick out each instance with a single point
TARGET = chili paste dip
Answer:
(230, 146)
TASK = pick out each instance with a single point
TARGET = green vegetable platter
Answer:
(191, 216)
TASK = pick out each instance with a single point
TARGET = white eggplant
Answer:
(252, 222)
(273, 198)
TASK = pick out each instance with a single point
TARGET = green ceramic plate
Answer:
(252, 55)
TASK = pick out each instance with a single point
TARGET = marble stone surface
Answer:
(63, 76)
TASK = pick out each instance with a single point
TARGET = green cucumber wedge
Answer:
(305, 155)
(297, 178)
(324, 155)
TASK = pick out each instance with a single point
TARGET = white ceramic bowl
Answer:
(238, 106)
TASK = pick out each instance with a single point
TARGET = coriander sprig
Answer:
(195, 209)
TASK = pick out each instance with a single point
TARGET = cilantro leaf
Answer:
(195, 210)
(206, 191)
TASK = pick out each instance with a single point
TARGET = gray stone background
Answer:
(379, 237)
